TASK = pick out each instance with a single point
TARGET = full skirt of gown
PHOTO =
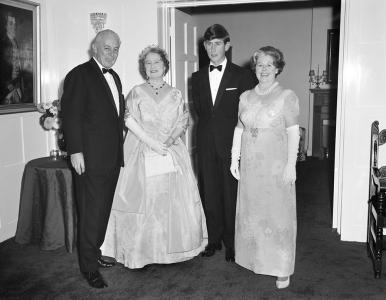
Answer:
(157, 219)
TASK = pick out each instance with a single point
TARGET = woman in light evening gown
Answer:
(157, 216)
(266, 141)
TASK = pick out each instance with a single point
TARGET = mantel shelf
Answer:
(322, 91)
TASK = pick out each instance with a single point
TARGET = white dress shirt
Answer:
(113, 87)
(215, 78)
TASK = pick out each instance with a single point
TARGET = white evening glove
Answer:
(289, 173)
(155, 145)
(236, 150)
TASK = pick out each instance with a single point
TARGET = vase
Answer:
(55, 152)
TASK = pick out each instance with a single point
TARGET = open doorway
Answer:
(301, 29)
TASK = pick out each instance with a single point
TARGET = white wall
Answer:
(304, 43)
(70, 34)
(66, 34)
(362, 101)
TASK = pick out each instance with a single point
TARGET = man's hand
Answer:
(77, 161)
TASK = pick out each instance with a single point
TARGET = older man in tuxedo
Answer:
(93, 118)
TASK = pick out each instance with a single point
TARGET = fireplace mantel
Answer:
(324, 117)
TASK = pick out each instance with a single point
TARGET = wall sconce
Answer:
(98, 21)
(317, 79)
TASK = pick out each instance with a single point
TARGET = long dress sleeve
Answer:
(291, 115)
(291, 109)
(132, 110)
(242, 108)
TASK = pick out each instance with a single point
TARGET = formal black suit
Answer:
(92, 125)
(215, 128)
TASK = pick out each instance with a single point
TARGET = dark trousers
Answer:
(94, 192)
(218, 189)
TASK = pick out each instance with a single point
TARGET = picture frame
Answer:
(19, 56)
(332, 55)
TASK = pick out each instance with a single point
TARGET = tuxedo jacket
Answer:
(217, 122)
(91, 122)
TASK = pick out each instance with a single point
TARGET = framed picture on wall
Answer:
(332, 55)
(19, 56)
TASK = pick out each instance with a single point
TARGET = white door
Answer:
(184, 55)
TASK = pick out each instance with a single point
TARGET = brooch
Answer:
(254, 132)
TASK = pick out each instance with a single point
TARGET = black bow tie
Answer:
(212, 67)
(104, 70)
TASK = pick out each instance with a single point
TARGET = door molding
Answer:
(165, 15)
(195, 3)
(166, 33)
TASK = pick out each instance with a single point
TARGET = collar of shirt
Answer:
(99, 65)
(214, 80)
(111, 82)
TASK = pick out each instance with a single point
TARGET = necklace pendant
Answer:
(156, 89)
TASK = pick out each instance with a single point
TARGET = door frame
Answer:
(166, 32)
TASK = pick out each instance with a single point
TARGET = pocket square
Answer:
(230, 89)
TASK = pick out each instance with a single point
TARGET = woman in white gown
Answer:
(157, 216)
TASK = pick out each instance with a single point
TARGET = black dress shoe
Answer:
(95, 279)
(230, 254)
(210, 249)
(104, 263)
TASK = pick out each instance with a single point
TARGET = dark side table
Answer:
(47, 213)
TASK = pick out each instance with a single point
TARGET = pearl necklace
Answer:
(156, 89)
(267, 91)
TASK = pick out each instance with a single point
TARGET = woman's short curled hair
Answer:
(276, 54)
(152, 49)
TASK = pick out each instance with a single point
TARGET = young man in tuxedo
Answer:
(216, 89)
(93, 117)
